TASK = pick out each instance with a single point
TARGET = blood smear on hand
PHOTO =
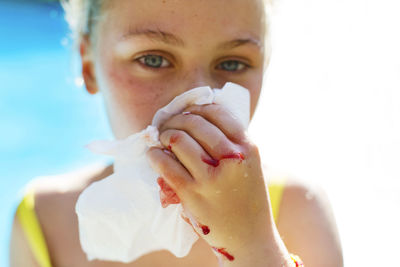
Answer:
(224, 252)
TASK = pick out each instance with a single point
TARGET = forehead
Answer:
(191, 19)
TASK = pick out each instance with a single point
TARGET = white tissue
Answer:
(120, 217)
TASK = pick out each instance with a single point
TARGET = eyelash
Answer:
(142, 60)
(242, 66)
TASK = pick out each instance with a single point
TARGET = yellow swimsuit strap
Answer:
(31, 227)
(275, 189)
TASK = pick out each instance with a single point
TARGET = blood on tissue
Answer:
(167, 194)
(215, 162)
(224, 252)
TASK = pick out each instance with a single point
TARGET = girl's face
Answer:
(148, 52)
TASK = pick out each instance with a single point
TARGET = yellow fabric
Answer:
(31, 227)
(33, 232)
(275, 190)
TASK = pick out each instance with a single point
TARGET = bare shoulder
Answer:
(307, 225)
(74, 180)
(55, 198)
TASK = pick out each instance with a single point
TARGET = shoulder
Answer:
(58, 193)
(55, 198)
(71, 181)
(51, 191)
(307, 225)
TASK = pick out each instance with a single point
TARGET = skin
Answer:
(229, 198)
(143, 54)
(133, 93)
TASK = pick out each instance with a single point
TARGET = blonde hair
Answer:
(82, 16)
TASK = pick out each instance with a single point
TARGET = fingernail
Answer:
(186, 113)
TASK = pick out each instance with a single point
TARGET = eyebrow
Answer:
(171, 39)
(239, 42)
(155, 35)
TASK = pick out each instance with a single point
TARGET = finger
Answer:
(174, 173)
(221, 118)
(212, 139)
(188, 151)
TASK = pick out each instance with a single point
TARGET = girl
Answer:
(140, 55)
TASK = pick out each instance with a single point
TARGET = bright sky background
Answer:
(329, 114)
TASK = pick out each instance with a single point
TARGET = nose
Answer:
(200, 76)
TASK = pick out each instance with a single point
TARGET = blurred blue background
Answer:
(45, 119)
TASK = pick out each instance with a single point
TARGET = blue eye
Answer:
(154, 61)
(232, 65)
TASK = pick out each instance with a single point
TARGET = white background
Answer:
(330, 114)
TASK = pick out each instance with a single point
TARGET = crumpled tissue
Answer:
(121, 217)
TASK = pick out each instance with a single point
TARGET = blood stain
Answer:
(205, 229)
(167, 194)
(234, 156)
(172, 140)
(212, 162)
(224, 252)
(215, 162)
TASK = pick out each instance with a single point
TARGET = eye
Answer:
(154, 61)
(232, 65)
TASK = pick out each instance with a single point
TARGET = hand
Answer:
(216, 173)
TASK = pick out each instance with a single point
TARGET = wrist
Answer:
(269, 253)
